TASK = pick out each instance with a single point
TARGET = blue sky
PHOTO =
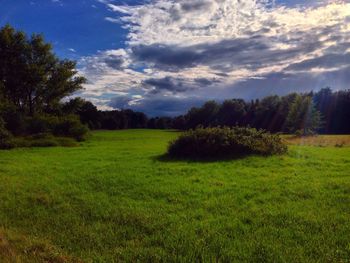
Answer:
(164, 56)
(78, 25)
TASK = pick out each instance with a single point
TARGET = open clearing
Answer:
(115, 199)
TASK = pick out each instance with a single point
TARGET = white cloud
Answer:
(112, 20)
(224, 42)
(57, 2)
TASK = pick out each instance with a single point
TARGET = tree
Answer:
(232, 112)
(87, 112)
(205, 115)
(179, 122)
(32, 78)
(303, 116)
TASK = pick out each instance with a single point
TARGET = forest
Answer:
(325, 112)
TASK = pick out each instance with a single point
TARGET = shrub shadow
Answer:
(168, 159)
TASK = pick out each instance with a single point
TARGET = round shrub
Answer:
(225, 142)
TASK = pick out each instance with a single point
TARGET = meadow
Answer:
(115, 198)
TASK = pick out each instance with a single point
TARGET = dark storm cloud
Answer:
(120, 102)
(282, 83)
(177, 58)
(158, 106)
(341, 47)
(114, 61)
(176, 85)
(195, 5)
(205, 81)
(176, 13)
(167, 84)
(252, 53)
(166, 56)
(326, 61)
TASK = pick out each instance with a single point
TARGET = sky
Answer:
(164, 56)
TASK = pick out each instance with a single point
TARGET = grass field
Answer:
(115, 199)
(320, 140)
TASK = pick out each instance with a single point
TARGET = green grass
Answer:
(114, 199)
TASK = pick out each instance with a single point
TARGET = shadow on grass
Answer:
(167, 158)
(173, 131)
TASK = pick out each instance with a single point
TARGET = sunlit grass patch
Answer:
(16, 247)
(319, 140)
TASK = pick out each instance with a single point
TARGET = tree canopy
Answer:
(32, 78)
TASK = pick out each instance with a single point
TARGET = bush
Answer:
(15, 122)
(225, 142)
(66, 142)
(43, 131)
(43, 143)
(44, 140)
(71, 127)
(40, 124)
(6, 139)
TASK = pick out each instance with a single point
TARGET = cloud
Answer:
(166, 84)
(220, 48)
(57, 2)
(153, 106)
(196, 6)
(285, 83)
(112, 20)
(166, 56)
(327, 61)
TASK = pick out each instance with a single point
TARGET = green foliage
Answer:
(114, 199)
(66, 142)
(44, 140)
(32, 78)
(70, 126)
(325, 112)
(39, 124)
(33, 82)
(231, 112)
(14, 120)
(205, 116)
(303, 118)
(6, 140)
(225, 142)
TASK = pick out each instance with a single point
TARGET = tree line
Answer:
(35, 84)
(324, 111)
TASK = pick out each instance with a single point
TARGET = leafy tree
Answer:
(303, 116)
(268, 114)
(32, 78)
(136, 120)
(86, 110)
(179, 122)
(231, 112)
(205, 115)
